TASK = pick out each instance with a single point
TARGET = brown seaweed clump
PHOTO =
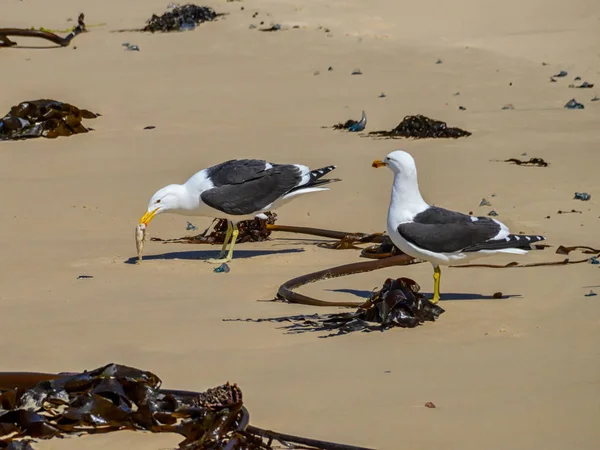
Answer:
(116, 397)
(421, 127)
(180, 18)
(254, 230)
(43, 118)
(397, 304)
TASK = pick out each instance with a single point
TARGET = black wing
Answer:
(443, 231)
(246, 186)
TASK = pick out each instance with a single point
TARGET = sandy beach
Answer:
(522, 372)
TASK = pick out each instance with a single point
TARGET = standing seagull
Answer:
(438, 235)
(236, 190)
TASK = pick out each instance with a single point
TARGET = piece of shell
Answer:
(140, 236)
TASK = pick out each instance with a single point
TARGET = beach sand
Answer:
(522, 372)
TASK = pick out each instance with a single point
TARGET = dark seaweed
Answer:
(116, 397)
(531, 162)
(249, 231)
(180, 17)
(43, 118)
(421, 127)
(397, 304)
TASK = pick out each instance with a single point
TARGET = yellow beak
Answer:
(146, 218)
(378, 163)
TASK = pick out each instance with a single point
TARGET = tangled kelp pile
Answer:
(43, 118)
(421, 127)
(255, 230)
(116, 397)
(397, 304)
(180, 18)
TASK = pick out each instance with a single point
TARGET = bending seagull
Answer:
(237, 190)
(438, 235)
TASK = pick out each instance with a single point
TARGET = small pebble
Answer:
(497, 295)
(190, 227)
(330, 68)
(252, 26)
(576, 78)
(223, 268)
(594, 260)
(317, 72)
(430, 405)
(149, 127)
(584, 196)
(462, 108)
(439, 61)
(492, 213)
(356, 72)
(484, 202)
(591, 294)
(561, 74)
(382, 95)
(595, 99)
(457, 93)
(508, 106)
(84, 277)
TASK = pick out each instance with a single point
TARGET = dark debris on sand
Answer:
(254, 230)
(421, 127)
(398, 304)
(180, 18)
(43, 118)
(117, 397)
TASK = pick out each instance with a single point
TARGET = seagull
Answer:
(237, 190)
(439, 235)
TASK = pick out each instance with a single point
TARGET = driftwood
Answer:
(116, 397)
(63, 42)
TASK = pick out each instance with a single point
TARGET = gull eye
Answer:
(157, 201)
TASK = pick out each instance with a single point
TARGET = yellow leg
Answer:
(437, 273)
(234, 234)
(226, 240)
(236, 231)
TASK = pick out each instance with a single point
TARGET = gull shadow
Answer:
(200, 255)
(450, 296)
(357, 292)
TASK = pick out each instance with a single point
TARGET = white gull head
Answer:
(171, 198)
(406, 200)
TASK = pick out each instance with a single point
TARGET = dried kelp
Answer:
(531, 162)
(116, 397)
(421, 127)
(255, 230)
(398, 304)
(561, 250)
(63, 42)
(43, 118)
(180, 18)
(286, 290)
